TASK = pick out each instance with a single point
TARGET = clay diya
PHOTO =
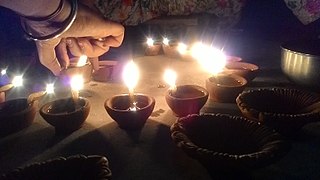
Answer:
(105, 71)
(78, 66)
(16, 115)
(152, 47)
(225, 87)
(247, 70)
(119, 109)
(186, 99)
(66, 115)
(170, 48)
(224, 143)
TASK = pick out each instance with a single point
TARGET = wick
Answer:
(131, 98)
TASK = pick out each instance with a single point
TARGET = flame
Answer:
(17, 81)
(150, 41)
(77, 82)
(182, 48)
(3, 72)
(131, 75)
(165, 41)
(211, 59)
(82, 61)
(50, 88)
(170, 78)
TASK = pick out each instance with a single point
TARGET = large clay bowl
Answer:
(186, 99)
(118, 109)
(247, 70)
(279, 108)
(66, 115)
(227, 143)
(73, 167)
(15, 115)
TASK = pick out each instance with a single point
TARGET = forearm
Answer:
(34, 8)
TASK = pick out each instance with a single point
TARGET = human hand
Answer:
(85, 33)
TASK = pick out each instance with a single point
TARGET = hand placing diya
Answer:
(184, 99)
(67, 114)
(131, 110)
(152, 48)
(222, 87)
(78, 65)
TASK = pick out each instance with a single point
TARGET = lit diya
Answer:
(170, 48)
(152, 48)
(78, 65)
(184, 99)
(132, 110)
(222, 87)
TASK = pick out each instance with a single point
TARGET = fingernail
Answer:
(69, 42)
(81, 45)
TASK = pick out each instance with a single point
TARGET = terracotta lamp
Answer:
(131, 110)
(225, 87)
(78, 65)
(152, 48)
(247, 70)
(170, 48)
(67, 114)
(105, 71)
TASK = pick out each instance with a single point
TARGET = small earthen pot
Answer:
(247, 70)
(233, 59)
(153, 50)
(16, 115)
(171, 50)
(105, 71)
(73, 69)
(118, 108)
(225, 87)
(186, 99)
(66, 115)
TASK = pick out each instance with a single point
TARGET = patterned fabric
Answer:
(307, 11)
(133, 12)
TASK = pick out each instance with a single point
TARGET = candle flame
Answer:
(131, 75)
(82, 61)
(150, 41)
(182, 48)
(3, 72)
(50, 88)
(165, 41)
(77, 82)
(170, 78)
(17, 81)
(211, 59)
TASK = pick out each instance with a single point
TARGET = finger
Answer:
(95, 63)
(91, 49)
(62, 53)
(47, 55)
(74, 47)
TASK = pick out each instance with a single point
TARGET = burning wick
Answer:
(50, 88)
(150, 42)
(82, 61)
(170, 78)
(165, 41)
(131, 77)
(76, 85)
(3, 72)
(182, 48)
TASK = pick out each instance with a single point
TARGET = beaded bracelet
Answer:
(64, 27)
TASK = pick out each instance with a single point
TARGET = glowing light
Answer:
(170, 78)
(50, 88)
(17, 81)
(131, 75)
(77, 82)
(150, 41)
(182, 48)
(211, 59)
(82, 61)
(3, 72)
(165, 41)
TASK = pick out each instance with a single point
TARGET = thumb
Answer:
(47, 55)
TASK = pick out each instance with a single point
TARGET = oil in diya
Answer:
(131, 110)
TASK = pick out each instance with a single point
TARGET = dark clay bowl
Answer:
(247, 70)
(186, 99)
(73, 167)
(15, 115)
(225, 88)
(227, 143)
(66, 115)
(117, 108)
(153, 50)
(279, 108)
